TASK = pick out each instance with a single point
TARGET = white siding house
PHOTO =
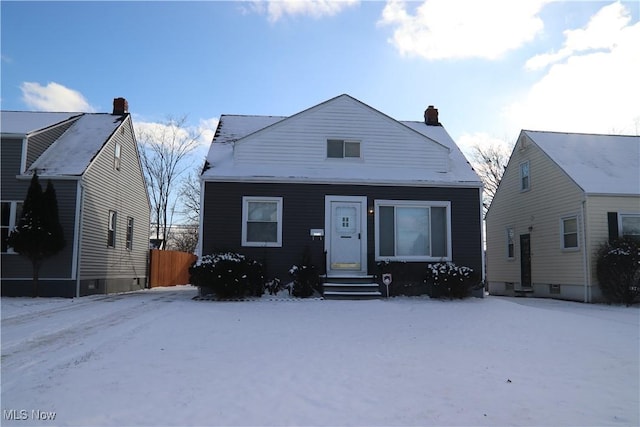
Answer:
(562, 195)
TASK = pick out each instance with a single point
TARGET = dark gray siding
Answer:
(304, 208)
(10, 153)
(54, 268)
(38, 143)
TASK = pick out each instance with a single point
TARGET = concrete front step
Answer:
(351, 289)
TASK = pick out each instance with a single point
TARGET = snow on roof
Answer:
(234, 127)
(599, 164)
(26, 122)
(72, 153)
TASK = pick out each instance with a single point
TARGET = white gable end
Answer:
(296, 148)
(302, 140)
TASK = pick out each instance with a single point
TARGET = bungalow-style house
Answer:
(92, 160)
(346, 184)
(562, 195)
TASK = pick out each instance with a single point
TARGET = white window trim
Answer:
(562, 233)
(13, 221)
(522, 189)
(245, 216)
(412, 203)
(624, 214)
(510, 258)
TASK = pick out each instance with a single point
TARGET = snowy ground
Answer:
(157, 357)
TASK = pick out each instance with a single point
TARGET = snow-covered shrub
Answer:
(228, 275)
(447, 280)
(306, 277)
(618, 271)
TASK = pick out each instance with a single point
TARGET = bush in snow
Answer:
(447, 280)
(306, 278)
(618, 271)
(228, 275)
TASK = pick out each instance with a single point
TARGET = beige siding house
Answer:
(562, 195)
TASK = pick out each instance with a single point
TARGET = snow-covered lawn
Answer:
(157, 357)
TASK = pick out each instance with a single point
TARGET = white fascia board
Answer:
(338, 181)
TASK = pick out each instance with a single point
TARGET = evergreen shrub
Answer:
(447, 280)
(306, 278)
(228, 275)
(618, 271)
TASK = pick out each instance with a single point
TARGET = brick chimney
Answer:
(120, 106)
(431, 116)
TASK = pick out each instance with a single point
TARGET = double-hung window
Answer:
(569, 229)
(511, 253)
(525, 178)
(10, 214)
(412, 230)
(262, 221)
(129, 240)
(111, 229)
(629, 225)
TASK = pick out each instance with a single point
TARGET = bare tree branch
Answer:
(190, 197)
(163, 150)
(490, 161)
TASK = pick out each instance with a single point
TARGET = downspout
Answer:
(585, 254)
(78, 240)
(483, 245)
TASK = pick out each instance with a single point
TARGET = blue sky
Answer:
(490, 67)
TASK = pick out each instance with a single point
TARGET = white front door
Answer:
(346, 236)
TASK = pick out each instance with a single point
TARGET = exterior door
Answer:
(525, 261)
(347, 236)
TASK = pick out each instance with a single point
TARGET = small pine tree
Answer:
(39, 233)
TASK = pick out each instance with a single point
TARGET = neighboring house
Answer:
(93, 162)
(345, 182)
(562, 195)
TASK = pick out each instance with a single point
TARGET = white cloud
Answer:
(54, 97)
(277, 9)
(206, 129)
(446, 29)
(203, 132)
(602, 32)
(587, 90)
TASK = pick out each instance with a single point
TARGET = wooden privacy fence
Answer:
(169, 268)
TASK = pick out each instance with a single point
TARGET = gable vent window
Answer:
(525, 179)
(341, 149)
(116, 156)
